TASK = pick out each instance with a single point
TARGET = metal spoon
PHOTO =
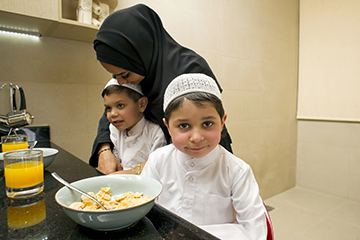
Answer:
(57, 177)
(33, 145)
(31, 148)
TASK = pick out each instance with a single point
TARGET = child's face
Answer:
(194, 130)
(122, 111)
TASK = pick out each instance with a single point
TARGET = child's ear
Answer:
(223, 120)
(166, 125)
(164, 121)
(143, 102)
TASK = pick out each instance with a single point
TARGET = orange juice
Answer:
(11, 146)
(26, 216)
(24, 174)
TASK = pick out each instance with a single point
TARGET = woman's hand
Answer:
(108, 163)
(131, 171)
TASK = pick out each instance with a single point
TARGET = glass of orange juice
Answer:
(14, 142)
(24, 173)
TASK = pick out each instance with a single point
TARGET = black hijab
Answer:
(135, 40)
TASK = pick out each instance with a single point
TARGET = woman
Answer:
(133, 45)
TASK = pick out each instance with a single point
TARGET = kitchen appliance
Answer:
(16, 118)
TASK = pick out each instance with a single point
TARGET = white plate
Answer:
(48, 155)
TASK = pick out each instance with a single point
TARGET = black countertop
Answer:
(157, 224)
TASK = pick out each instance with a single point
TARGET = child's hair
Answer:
(135, 96)
(198, 98)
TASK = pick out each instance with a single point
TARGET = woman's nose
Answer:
(196, 136)
(120, 80)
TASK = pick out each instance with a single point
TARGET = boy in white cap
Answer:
(133, 137)
(203, 182)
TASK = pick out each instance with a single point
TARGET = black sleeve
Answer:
(103, 136)
(226, 140)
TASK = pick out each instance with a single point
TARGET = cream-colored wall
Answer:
(328, 158)
(329, 57)
(252, 47)
(62, 82)
(328, 152)
(37, 8)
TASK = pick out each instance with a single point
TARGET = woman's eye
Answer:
(183, 125)
(125, 76)
(207, 124)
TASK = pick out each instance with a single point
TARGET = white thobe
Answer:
(133, 147)
(216, 189)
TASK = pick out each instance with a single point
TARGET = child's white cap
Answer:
(135, 87)
(190, 82)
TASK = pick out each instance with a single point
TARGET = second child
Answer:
(132, 136)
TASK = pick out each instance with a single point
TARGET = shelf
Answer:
(67, 10)
(65, 26)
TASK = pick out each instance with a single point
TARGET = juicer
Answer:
(16, 118)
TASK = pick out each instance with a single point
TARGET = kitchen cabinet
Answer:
(49, 18)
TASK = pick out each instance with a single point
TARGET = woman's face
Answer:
(122, 75)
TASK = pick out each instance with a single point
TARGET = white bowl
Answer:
(111, 219)
(49, 155)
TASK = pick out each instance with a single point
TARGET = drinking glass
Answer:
(24, 173)
(14, 142)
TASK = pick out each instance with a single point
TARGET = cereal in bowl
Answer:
(104, 196)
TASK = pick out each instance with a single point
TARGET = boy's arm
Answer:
(150, 169)
(250, 221)
(247, 203)
(227, 231)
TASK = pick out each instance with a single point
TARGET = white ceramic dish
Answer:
(111, 219)
(49, 155)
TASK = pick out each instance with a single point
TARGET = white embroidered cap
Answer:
(190, 82)
(135, 87)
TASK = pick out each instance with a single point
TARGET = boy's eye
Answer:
(108, 109)
(121, 105)
(183, 125)
(207, 124)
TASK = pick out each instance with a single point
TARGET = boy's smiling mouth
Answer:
(117, 123)
(197, 149)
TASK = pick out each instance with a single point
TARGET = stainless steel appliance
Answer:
(16, 118)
